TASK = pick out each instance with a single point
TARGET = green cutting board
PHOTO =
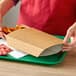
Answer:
(44, 60)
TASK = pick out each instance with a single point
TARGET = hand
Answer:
(71, 33)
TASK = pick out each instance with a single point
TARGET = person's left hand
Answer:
(71, 34)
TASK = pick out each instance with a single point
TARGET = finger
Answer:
(67, 47)
(66, 50)
(68, 35)
(66, 44)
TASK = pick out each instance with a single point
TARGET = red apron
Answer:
(51, 16)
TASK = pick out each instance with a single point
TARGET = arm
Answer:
(5, 6)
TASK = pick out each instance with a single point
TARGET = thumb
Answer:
(67, 37)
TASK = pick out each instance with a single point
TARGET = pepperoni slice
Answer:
(4, 50)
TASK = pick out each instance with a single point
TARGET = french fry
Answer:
(7, 30)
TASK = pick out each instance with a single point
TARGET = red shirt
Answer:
(51, 16)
